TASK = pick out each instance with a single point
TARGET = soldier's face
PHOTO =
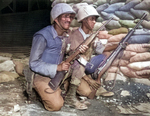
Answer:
(65, 20)
(91, 21)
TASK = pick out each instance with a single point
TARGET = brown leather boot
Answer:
(71, 99)
(103, 92)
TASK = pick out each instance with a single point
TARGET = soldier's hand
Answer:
(83, 48)
(63, 66)
(94, 84)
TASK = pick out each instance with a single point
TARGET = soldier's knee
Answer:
(55, 106)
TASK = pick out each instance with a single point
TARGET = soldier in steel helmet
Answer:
(46, 57)
(81, 81)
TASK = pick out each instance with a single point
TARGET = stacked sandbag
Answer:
(124, 12)
(11, 66)
(139, 63)
(116, 36)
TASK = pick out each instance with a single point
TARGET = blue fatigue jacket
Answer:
(46, 51)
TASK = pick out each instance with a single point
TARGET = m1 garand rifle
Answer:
(105, 64)
(56, 81)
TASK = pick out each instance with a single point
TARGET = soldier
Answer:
(81, 81)
(47, 53)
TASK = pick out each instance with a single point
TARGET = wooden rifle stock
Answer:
(55, 82)
(102, 68)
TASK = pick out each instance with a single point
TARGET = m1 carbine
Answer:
(55, 82)
(105, 64)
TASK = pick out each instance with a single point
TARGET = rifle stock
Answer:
(102, 68)
(55, 82)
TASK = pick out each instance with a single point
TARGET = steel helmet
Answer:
(86, 11)
(59, 9)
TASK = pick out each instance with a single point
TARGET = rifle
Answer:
(104, 65)
(55, 82)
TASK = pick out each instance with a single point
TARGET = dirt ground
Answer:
(13, 102)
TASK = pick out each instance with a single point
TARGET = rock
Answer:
(2, 58)
(125, 93)
(7, 76)
(6, 54)
(7, 66)
(16, 108)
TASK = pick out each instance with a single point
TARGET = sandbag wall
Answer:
(135, 61)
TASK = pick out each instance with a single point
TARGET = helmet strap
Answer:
(60, 26)
(88, 25)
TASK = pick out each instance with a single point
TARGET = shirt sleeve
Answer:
(35, 62)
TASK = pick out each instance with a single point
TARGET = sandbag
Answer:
(118, 31)
(139, 65)
(57, 1)
(146, 24)
(124, 15)
(111, 46)
(97, 26)
(139, 39)
(99, 19)
(100, 2)
(143, 73)
(129, 5)
(88, 1)
(140, 57)
(128, 72)
(144, 5)
(139, 48)
(73, 1)
(103, 35)
(112, 69)
(120, 62)
(116, 1)
(141, 32)
(114, 7)
(77, 6)
(107, 16)
(127, 23)
(102, 7)
(75, 23)
(116, 38)
(113, 25)
(139, 13)
(128, 54)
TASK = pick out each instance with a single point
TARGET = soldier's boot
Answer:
(71, 99)
(103, 92)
